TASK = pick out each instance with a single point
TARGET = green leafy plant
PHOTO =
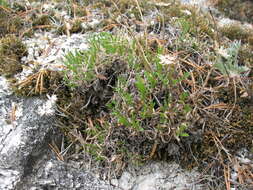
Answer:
(181, 130)
(143, 107)
(146, 104)
(227, 62)
(82, 66)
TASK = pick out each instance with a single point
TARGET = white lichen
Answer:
(168, 59)
(49, 107)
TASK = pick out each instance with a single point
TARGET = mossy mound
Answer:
(236, 31)
(9, 22)
(11, 51)
(238, 10)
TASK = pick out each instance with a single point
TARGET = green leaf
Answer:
(140, 85)
(229, 65)
(183, 96)
(187, 108)
(184, 134)
(123, 120)
(151, 79)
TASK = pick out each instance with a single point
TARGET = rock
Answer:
(26, 129)
(61, 175)
(159, 175)
(24, 136)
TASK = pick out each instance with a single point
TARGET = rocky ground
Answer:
(62, 128)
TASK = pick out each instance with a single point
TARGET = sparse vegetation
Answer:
(141, 86)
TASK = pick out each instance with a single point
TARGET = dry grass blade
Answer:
(199, 68)
(153, 151)
(69, 114)
(27, 81)
(77, 136)
(38, 78)
(220, 146)
(40, 81)
(56, 150)
(218, 106)
(13, 114)
(109, 27)
(139, 8)
(227, 177)
(193, 83)
(42, 26)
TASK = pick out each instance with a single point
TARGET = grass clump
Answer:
(84, 66)
(11, 51)
(131, 111)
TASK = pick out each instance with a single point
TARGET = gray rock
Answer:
(56, 175)
(159, 176)
(26, 129)
(24, 136)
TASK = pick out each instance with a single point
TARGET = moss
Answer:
(42, 20)
(176, 9)
(123, 7)
(237, 9)
(191, 20)
(18, 6)
(4, 3)
(246, 56)
(79, 11)
(11, 52)
(9, 23)
(235, 31)
(75, 27)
